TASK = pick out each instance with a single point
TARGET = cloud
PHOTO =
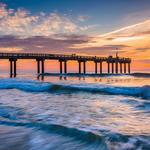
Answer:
(55, 44)
(139, 29)
(127, 34)
(21, 23)
(143, 48)
(55, 33)
(88, 27)
(131, 41)
(146, 61)
(102, 50)
(83, 18)
(10, 49)
(3, 11)
(136, 16)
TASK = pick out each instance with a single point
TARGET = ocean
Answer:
(75, 113)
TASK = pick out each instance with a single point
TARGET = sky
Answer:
(85, 27)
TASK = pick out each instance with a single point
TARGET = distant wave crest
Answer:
(35, 86)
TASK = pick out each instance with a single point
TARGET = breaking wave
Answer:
(35, 86)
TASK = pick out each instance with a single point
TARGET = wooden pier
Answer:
(115, 65)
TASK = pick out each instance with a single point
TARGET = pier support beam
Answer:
(84, 67)
(95, 67)
(108, 67)
(60, 66)
(65, 67)
(79, 67)
(40, 66)
(13, 67)
(80, 62)
(129, 68)
(116, 67)
(120, 68)
(125, 68)
(112, 67)
(101, 67)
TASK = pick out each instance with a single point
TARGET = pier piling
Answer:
(84, 67)
(108, 68)
(125, 68)
(101, 69)
(65, 67)
(95, 67)
(79, 62)
(120, 67)
(112, 67)
(13, 67)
